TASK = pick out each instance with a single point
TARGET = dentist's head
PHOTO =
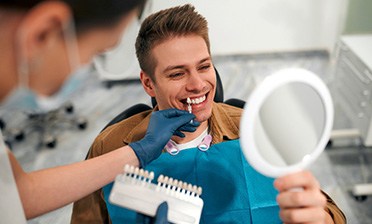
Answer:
(42, 42)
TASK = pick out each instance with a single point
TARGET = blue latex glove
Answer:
(160, 217)
(163, 125)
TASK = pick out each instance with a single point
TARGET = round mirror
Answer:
(286, 122)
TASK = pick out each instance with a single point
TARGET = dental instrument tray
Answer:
(134, 190)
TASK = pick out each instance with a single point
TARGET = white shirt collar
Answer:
(193, 143)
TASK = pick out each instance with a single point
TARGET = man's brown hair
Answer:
(165, 24)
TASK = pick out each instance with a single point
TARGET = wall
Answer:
(251, 26)
(359, 17)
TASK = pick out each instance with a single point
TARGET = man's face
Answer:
(183, 69)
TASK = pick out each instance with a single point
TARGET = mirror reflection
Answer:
(289, 125)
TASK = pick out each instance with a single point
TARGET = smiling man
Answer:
(183, 70)
(174, 54)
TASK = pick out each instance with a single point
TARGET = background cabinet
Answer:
(354, 82)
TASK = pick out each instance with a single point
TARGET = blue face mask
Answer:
(69, 87)
(21, 98)
(24, 99)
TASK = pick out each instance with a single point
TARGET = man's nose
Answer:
(195, 83)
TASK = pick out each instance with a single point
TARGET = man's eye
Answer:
(175, 75)
(205, 67)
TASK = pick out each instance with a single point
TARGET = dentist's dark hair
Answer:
(87, 13)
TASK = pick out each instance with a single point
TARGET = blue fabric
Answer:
(233, 192)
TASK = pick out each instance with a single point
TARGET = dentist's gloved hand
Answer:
(163, 125)
(161, 216)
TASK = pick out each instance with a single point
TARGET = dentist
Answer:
(41, 43)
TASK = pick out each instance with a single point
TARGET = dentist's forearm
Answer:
(46, 190)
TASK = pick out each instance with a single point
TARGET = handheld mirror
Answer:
(286, 122)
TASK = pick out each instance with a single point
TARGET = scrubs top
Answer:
(11, 210)
(233, 192)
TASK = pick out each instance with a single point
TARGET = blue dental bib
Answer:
(233, 192)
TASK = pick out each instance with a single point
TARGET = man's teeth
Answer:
(196, 100)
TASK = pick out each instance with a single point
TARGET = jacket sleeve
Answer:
(92, 208)
(334, 211)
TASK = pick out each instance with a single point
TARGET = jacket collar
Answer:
(221, 125)
(139, 131)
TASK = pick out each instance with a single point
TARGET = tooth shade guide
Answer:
(189, 108)
(133, 190)
(188, 100)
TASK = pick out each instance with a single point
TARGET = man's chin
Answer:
(202, 117)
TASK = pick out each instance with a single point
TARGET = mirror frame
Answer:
(252, 109)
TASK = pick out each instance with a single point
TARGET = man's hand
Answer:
(301, 206)
(163, 125)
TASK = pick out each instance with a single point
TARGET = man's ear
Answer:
(147, 84)
(41, 27)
